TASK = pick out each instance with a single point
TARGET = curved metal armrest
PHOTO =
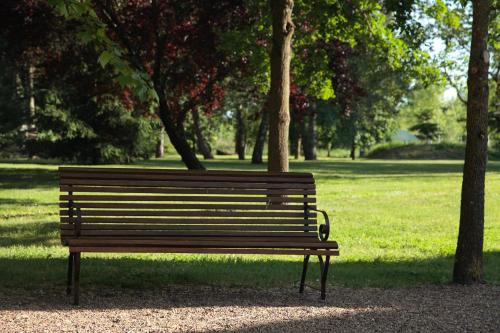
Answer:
(324, 229)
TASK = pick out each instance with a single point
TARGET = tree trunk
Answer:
(296, 145)
(295, 136)
(160, 144)
(30, 134)
(352, 155)
(468, 266)
(31, 98)
(353, 133)
(240, 139)
(279, 93)
(258, 148)
(201, 142)
(177, 135)
(310, 138)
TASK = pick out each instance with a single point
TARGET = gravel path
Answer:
(206, 309)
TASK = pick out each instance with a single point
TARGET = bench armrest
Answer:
(324, 229)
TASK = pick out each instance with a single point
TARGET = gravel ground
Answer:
(207, 309)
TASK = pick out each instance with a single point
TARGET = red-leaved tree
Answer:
(176, 44)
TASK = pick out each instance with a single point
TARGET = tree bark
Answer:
(310, 138)
(160, 144)
(279, 93)
(240, 138)
(468, 266)
(352, 154)
(176, 133)
(295, 135)
(28, 83)
(31, 98)
(201, 142)
(258, 148)
(296, 144)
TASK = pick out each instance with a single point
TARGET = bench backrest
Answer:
(127, 203)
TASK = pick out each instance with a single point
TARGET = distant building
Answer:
(404, 136)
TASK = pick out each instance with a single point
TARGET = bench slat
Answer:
(188, 177)
(184, 184)
(152, 249)
(201, 243)
(300, 237)
(183, 206)
(98, 227)
(196, 198)
(63, 170)
(120, 220)
(146, 233)
(65, 212)
(207, 191)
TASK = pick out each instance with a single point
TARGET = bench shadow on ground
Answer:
(166, 282)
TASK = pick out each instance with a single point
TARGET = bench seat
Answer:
(249, 245)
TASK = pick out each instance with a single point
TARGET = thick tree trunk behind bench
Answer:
(469, 255)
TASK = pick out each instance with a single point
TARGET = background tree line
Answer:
(103, 81)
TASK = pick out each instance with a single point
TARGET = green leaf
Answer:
(125, 80)
(105, 57)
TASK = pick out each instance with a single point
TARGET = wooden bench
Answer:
(177, 211)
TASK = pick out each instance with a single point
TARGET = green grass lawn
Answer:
(396, 223)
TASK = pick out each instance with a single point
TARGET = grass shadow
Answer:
(28, 234)
(337, 168)
(370, 168)
(22, 202)
(157, 271)
(25, 178)
(19, 178)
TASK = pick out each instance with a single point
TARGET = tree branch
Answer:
(113, 22)
(159, 49)
(454, 85)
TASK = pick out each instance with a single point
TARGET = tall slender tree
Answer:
(469, 254)
(260, 140)
(279, 93)
(201, 141)
(309, 136)
(240, 136)
(160, 144)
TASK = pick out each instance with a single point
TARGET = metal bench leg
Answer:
(70, 274)
(324, 273)
(76, 279)
(304, 272)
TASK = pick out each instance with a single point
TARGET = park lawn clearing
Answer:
(396, 223)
